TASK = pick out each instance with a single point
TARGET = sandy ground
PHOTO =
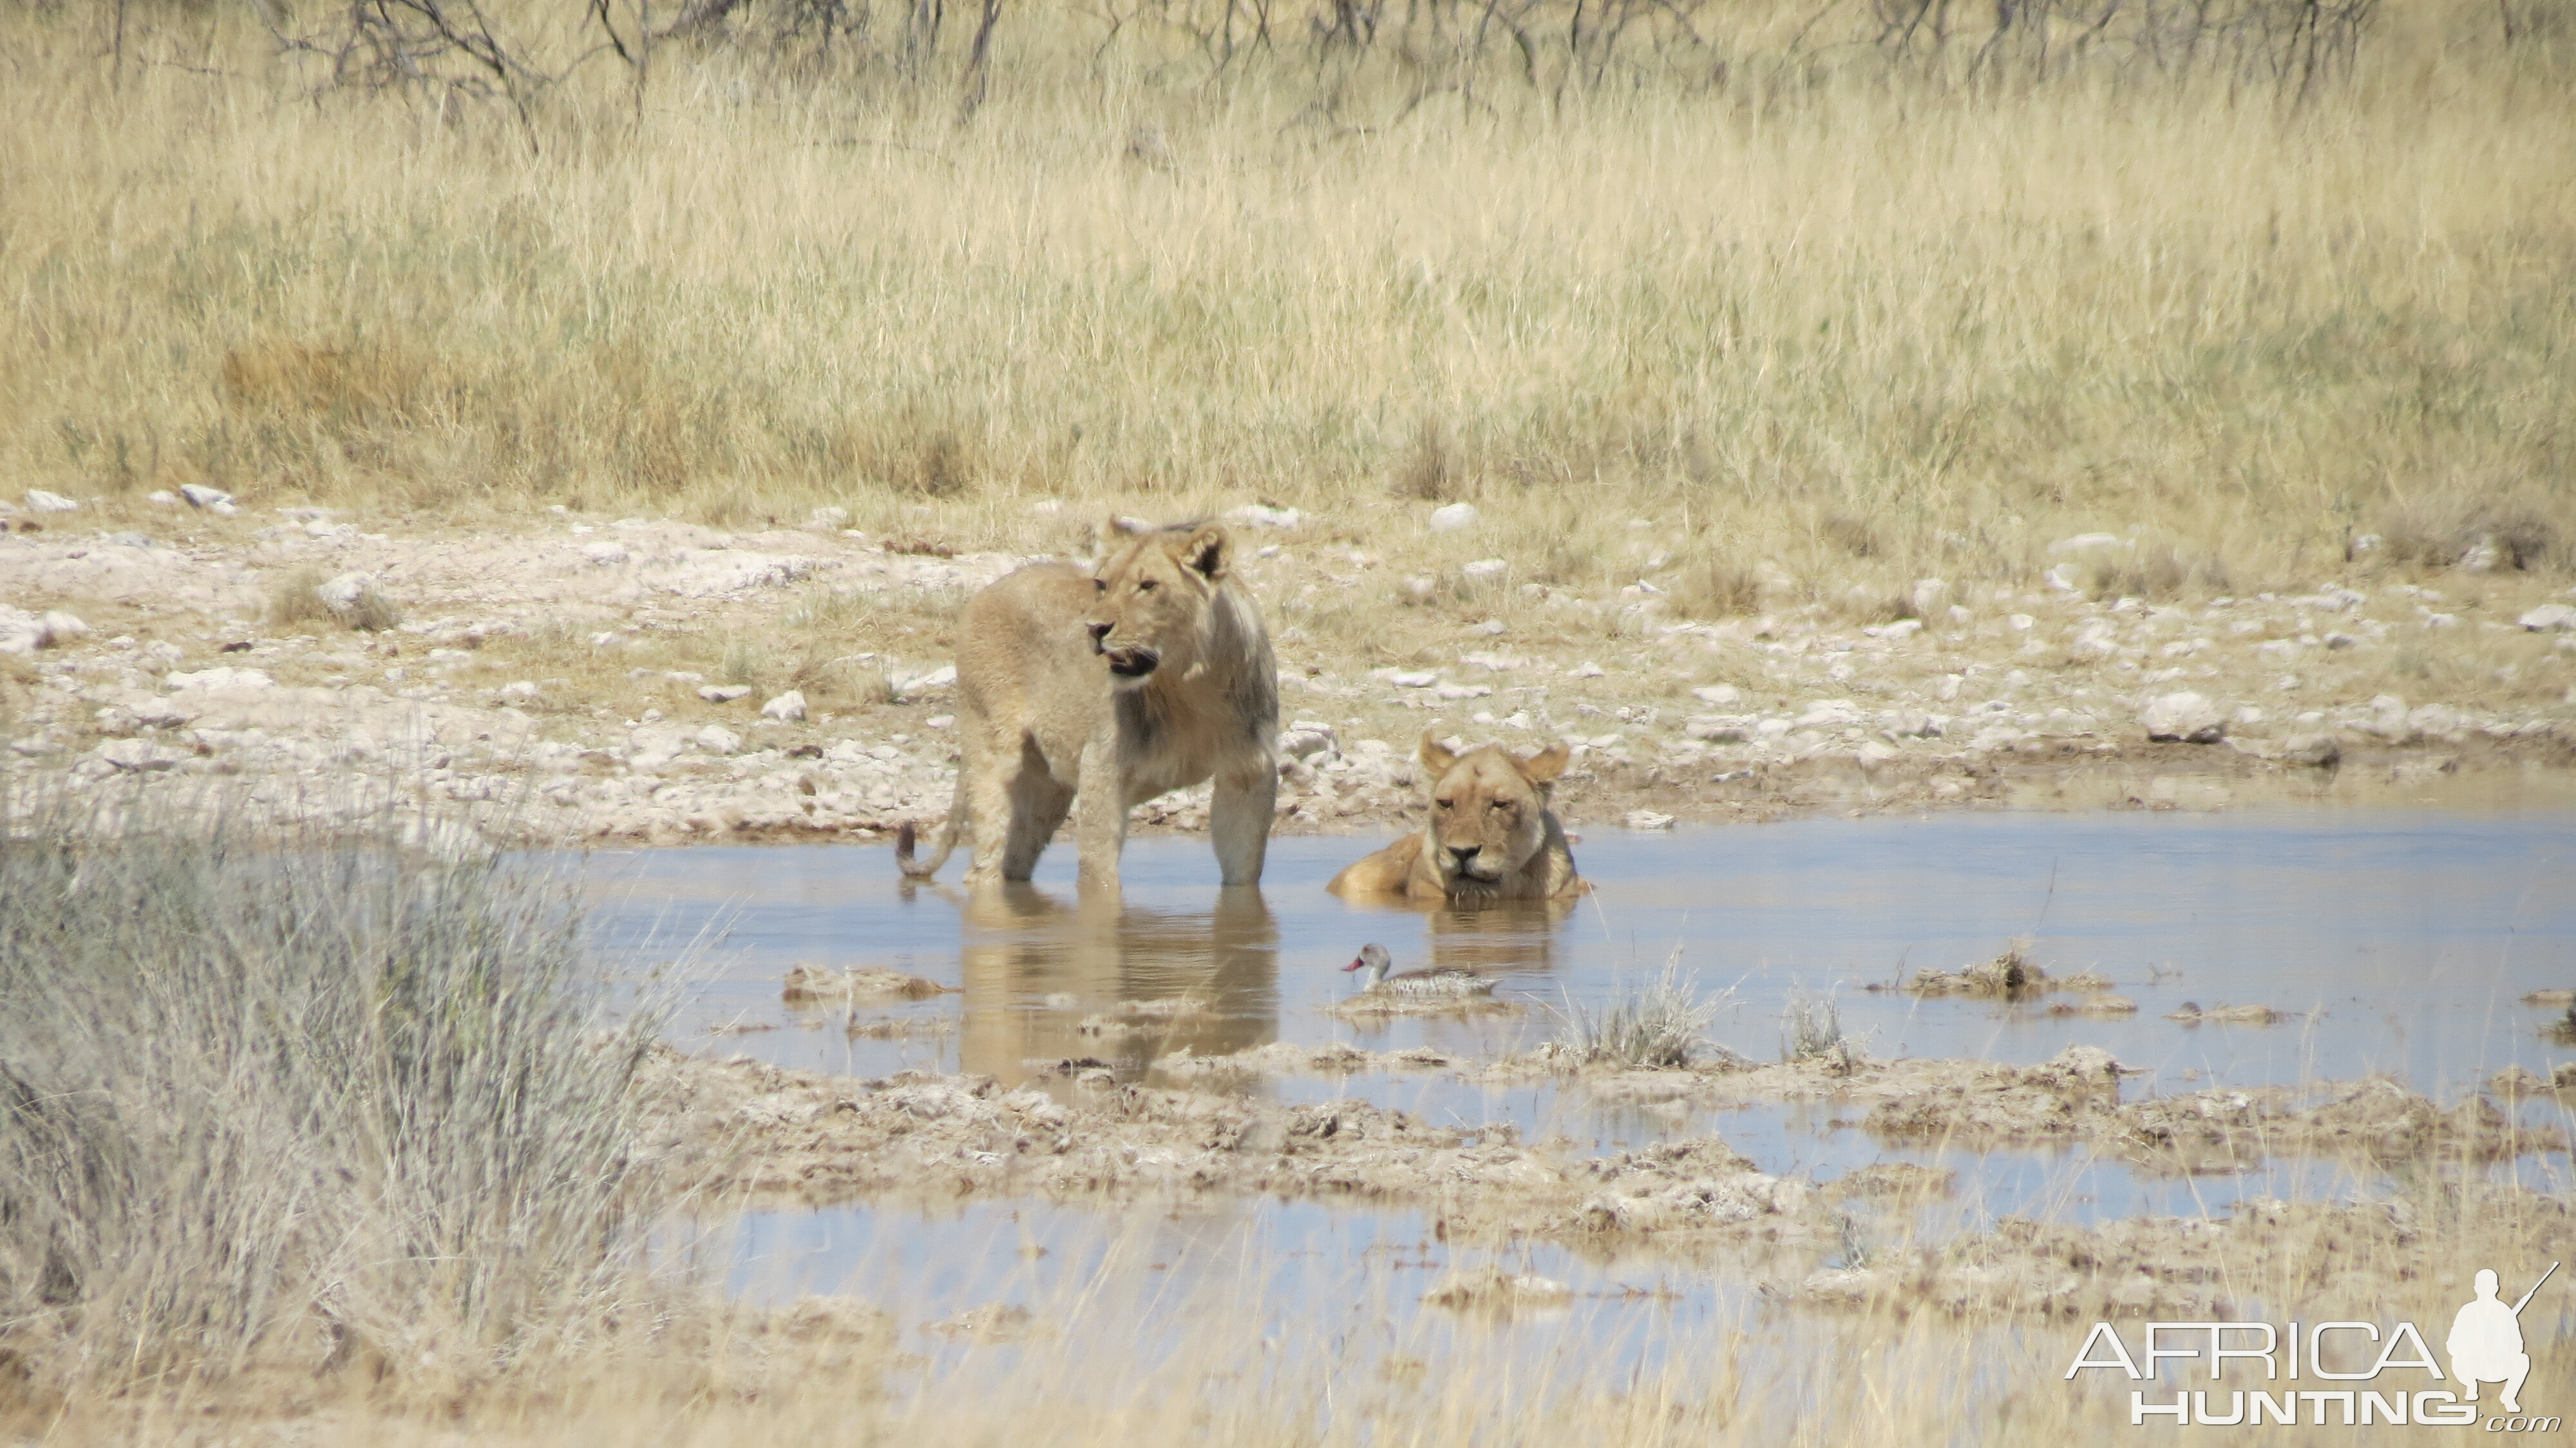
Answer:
(562, 679)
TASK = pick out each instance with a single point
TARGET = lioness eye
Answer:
(1144, 585)
(1444, 803)
(1501, 804)
(1100, 585)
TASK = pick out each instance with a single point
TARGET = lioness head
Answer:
(1488, 808)
(1150, 596)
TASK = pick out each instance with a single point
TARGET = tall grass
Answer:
(307, 1105)
(1809, 296)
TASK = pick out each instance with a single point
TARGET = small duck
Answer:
(1422, 984)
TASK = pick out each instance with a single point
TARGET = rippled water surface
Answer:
(2394, 940)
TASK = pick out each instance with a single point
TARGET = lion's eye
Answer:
(1500, 804)
(1144, 585)
(1445, 803)
(1100, 585)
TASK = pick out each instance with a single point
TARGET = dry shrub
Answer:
(1851, 534)
(2443, 529)
(1710, 585)
(1431, 470)
(334, 1103)
(2155, 571)
(295, 600)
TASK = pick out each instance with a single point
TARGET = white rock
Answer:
(2021, 622)
(1585, 670)
(1897, 632)
(1646, 819)
(1406, 678)
(827, 519)
(1464, 691)
(61, 628)
(2550, 617)
(163, 497)
(1929, 596)
(1306, 738)
(40, 501)
(1717, 694)
(2061, 577)
(220, 678)
(789, 707)
(2184, 716)
(717, 739)
(517, 689)
(939, 721)
(1499, 663)
(1485, 568)
(943, 677)
(723, 693)
(1255, 515)
(1452, 518)
(21, 632)
(603, 554)
(2315, 750)
(213, 500)
(352, 597)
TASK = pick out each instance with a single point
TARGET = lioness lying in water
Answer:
(1088, 691)
(1490, 835)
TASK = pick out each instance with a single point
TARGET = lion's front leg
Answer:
(1240, 809)
(1100, 811)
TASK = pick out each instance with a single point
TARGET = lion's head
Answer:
(1488, 808)
(1151, 597)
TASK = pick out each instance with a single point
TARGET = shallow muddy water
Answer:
(2392, 939)
(2395, 941)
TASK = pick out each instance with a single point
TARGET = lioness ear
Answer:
(1436, 756)
(1209, 552)
(1120, 529)
(1544, 766)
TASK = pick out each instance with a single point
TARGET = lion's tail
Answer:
(904, 838)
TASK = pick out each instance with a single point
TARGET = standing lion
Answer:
(1090, 692)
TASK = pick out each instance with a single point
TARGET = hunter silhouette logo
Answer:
(2486, 1341)
(2353, 1386)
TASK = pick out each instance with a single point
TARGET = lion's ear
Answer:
(1210, 552)
(1544, 766)
(1436, 756)
(1119, 529)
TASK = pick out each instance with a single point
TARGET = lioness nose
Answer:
(1464, 852)
(1099, 631)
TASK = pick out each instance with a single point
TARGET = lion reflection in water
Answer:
(1049, 980)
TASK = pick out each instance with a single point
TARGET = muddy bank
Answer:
(769, 1135)
(2263, 1255)
(560, 678)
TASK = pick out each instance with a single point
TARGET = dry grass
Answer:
(1860, 327)
(327, 1106)
(1660, 1022)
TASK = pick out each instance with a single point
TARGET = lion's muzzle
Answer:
(1131, 663)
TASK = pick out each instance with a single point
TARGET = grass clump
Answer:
(332, 1103)
(1812, 1028)
(1661, 1023)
